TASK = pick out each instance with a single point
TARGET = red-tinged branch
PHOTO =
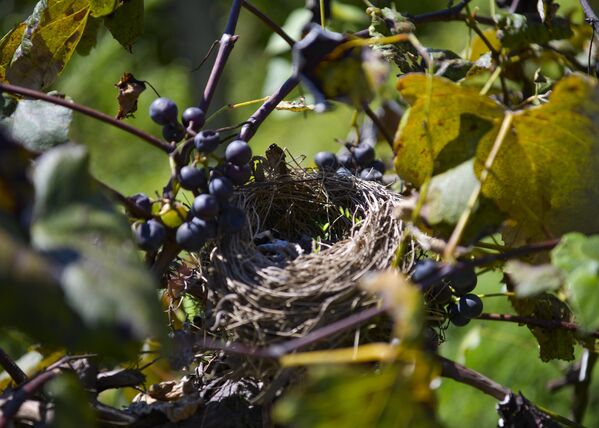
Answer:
(254, 122)
(269, 22)
(98, 115)
(227, 42)
(536, 322)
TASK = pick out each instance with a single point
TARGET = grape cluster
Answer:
(453, 291)
(356, 160)
(212, 186)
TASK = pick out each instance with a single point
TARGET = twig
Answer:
(581, 388)
(379, 124)
(13, 370)
(591, 16)
(19, 90)
(11, 407)
(536, 322)
(227, 41)
(456, 236)
(462, 374)
(248, 130)
(440, 15)
(269, 22)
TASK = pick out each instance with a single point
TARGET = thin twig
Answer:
(456, 236)
(459, 373)
(269, 22)
(536, 322)
(440, 15)
(591, 16)
(379, 124)
(248, 130)
(13, 370)
(19, 90)
(227, 42)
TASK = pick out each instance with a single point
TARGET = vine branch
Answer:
(227, 42)
(88, 111)
(536, 322)
(13, 370)
(269, 22)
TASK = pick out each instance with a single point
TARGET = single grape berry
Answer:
(207, 227)
(143, 202)
(364, 154)
(370, 174)
(238, 174)
(326, 161)
(206, 206)
(222, 188)
(163, 111)
(149, 235)
(190, 237)
(424, 269)
(173, 132)
(463, 279)
(378, 165)
(206, 141)
(195, 115)
(192, 178)
(232, 219)
(346, 159)
(238, 152)
(455, 316)
(470, 306)
(343, 172)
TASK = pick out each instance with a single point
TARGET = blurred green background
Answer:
(178, 34)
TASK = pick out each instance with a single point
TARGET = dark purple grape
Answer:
(364, 154)
(206, 206)
(239, 175)
(346, 159)
(378, 165)
(470, 306)
(163, 111)
(143, 202)
(195, 115)
(149, 235)
(190, 236)
(222, 188)
(371, 174)
(173, 132)
(207, 227)
(232, 219)
(424, 270)
(238, 152)
(463, 279)
(455, 316)
(326, 161)
(192, 178)
(206, 141)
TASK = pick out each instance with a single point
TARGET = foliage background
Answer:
(177, 36)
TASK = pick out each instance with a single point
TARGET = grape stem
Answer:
(88, 111)
(227, 42)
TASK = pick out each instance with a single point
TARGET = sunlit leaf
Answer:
(8, 45)
(531, 280)
(102, 7)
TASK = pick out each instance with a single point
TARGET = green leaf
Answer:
(447, 198)
(52, 34)
(457, 120)
(39, 125)
(553, 343)
(89, 36)
(518, 31)
(546, 174)
(102, 7)
(126, 24)
(531, 280)
(578, 257)
(335, 397)
(70, 402)
(103, 278)
(8, 45)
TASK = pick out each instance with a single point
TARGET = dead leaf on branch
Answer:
(129, 89)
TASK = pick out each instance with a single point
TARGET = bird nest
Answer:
(308, 239)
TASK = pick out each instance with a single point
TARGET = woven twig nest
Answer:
(260, 297)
